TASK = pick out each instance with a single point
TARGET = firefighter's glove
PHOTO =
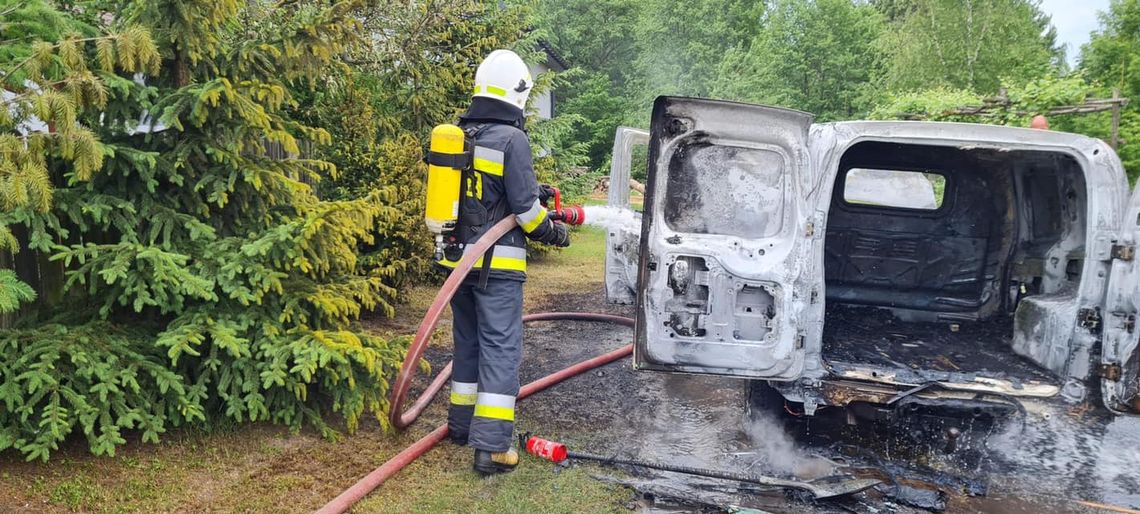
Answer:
(560, 236)
(545, 193)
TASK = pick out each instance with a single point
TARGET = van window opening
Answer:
(900, 189)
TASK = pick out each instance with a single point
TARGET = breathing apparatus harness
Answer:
(453, 209)
(471, 216)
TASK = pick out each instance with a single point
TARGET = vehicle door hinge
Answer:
(1124, 252)
(1090, 319)
(1109, 371)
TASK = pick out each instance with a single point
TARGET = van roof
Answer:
(976, 133)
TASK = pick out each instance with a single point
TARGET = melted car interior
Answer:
(935, 254)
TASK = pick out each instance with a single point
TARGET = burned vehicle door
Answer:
(1120, 366)
(726, 244)
(621, 240)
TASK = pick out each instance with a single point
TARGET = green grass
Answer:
(442, 481)
(576, 269)
(262, 468)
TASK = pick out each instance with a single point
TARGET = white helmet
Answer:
(505, 77)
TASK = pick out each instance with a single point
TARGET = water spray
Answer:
(612, 217)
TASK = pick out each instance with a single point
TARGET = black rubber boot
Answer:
(460, 440)
(488, 463)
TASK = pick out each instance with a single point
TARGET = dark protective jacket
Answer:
(505, 185)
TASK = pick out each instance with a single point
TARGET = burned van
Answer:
(874, 262)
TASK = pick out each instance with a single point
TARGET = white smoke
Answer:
(777, 452)
(612, 218)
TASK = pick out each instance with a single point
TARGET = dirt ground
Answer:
(1055, 459)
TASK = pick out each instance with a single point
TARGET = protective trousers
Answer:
(488, 349)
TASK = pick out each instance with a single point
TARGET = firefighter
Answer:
(487, 308)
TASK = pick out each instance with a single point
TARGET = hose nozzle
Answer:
(572, 215)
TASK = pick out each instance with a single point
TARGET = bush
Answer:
(98, 379)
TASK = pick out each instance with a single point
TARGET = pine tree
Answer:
(52, 70)
(218, 256)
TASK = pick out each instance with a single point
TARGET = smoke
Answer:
(778, 453)
(612, 218)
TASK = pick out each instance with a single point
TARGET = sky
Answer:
(1074, 20)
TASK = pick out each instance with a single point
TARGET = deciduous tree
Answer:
(967, 44)
(1112, 58)
(815, 55)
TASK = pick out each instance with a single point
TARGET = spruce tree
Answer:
(219, 284)
(57, 74)
(52, 70)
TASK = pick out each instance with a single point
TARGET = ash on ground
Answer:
(1055, 460)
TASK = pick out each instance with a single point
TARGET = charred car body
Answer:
(879, 263)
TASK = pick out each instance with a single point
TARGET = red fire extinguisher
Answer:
(545, 449)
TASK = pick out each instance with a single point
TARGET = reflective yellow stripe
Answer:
(491, 90)
(489, 167)
(493, 412)
(464, 393)
(496, 406)
(499, 263)
(507, 258)
(533, 224)
(488, 160)
(463, 398)
(533, 217)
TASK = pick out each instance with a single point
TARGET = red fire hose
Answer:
(401, 419)
(396, 398)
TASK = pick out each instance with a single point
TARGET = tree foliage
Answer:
(816, 56)
(597, 38)
(967, 44)
(1023, 102)
(839, 59)
(98, 379)
(1107, 62)
(1112, 58)
(257, 188)
(415, 73)
(240, 282)
(682, 42)
(53, 70)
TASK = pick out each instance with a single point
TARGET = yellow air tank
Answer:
(443, 182)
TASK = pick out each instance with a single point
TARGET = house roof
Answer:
(553, 58)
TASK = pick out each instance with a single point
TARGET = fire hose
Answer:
(400, 418)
